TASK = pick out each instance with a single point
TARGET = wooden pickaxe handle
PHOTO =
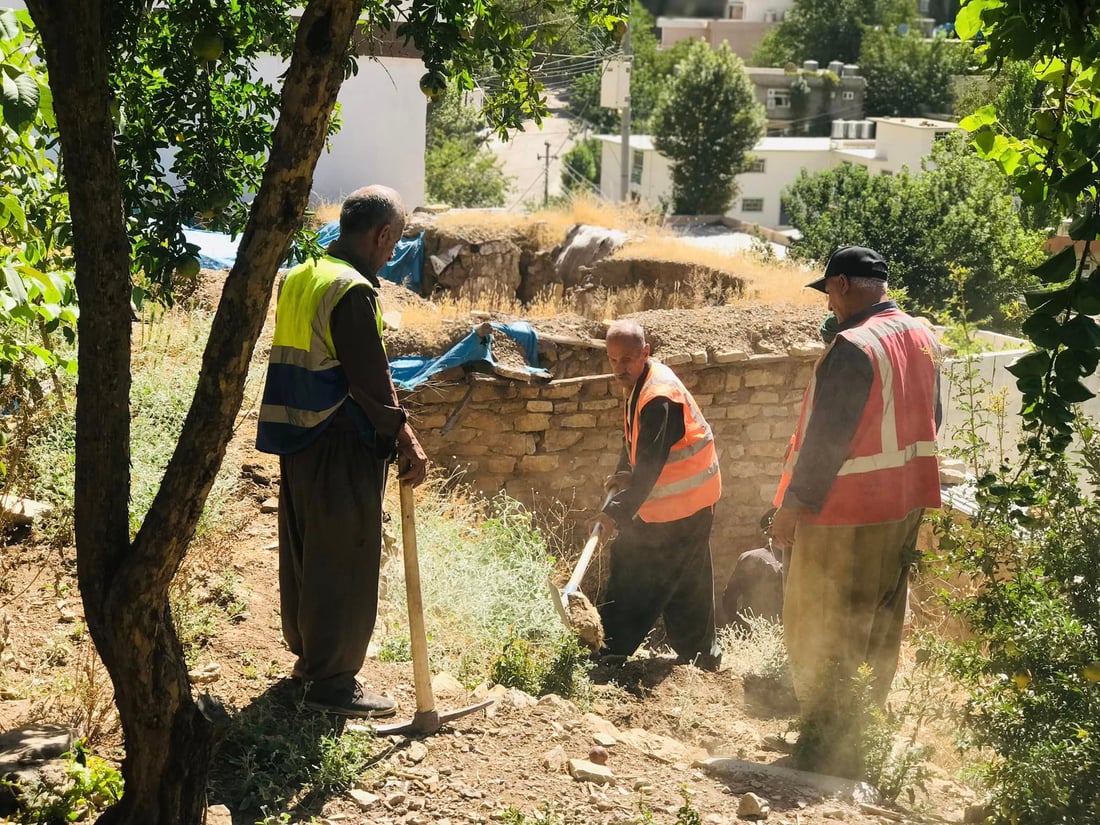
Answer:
(418, 637)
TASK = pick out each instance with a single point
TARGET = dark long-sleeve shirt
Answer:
(660, 425)
(844, 380)
(359, 347)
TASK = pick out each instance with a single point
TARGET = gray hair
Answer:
(626, 330)
(370, 208)
(876, 285)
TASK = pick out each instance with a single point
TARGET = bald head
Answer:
(371, 222)
(371, 208)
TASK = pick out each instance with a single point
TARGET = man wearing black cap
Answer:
(861, 470)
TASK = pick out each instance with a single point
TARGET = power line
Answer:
(578, 117)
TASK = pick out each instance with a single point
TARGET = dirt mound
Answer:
(754, 328)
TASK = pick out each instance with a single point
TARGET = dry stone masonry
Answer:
(557, 442)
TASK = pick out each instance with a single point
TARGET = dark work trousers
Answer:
(662, 570)
(330, 547)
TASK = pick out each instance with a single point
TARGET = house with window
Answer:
(884, 145)
(808, 100)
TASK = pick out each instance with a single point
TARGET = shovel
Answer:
(427, 719)
(589, 633)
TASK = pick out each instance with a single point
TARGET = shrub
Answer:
(1033, 551)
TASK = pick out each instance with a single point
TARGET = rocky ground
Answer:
(658, 722)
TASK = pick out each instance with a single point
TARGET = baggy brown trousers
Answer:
(844, 605)
(330, 547)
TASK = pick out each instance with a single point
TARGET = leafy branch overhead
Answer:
(1056, 161)
(37, 298)
(195, 120)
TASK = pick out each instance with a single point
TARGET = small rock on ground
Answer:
(364, 799)
(752, 806)
(584, 771)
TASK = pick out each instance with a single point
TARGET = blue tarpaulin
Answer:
(404, 268)
(219, 251)
(216, 249)
(410, 372)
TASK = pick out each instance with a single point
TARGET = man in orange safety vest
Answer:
(861, 470)
(668, 482)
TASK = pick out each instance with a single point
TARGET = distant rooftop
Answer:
(867, 154)
(917, 122)
(639, 143)
(792, 144)
(683, 22)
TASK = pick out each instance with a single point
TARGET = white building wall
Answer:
(902, 145)
(899, 143)
(609, 171)
(780, 170)
(382, 132)
(759, 11)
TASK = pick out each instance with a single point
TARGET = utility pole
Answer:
(546, 175)
(624, 151)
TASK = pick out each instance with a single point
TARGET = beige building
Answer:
(884, 145)
(743, 27)
(806, 101)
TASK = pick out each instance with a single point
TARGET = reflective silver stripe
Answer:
(690, 451)
(314, 360)
(872, 337)
(891, 457)
(278, 414)
(888, 461)
(883, 461)
(684, 484)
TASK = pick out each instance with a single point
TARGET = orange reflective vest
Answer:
(690, 479)
(891, 468)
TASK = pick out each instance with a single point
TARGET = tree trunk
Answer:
(125, 587)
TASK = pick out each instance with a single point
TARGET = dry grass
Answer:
(594, 211)
(767, 281)
(325, 212)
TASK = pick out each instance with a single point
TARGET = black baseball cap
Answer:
(855, 262)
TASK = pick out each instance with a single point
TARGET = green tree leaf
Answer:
(1043, 330)
(18, 97)
(985, 116)
(9, 25)
(1031, 365)
(1057, 268)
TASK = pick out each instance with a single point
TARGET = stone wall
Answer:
(557, 442)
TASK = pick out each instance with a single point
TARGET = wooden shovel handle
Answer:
(586, 554)
(418, 638)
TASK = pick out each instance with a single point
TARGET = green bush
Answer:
(580, 167)
(484, 568)
(1033, 554)
(561, 669)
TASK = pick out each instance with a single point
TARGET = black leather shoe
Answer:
(349, 702)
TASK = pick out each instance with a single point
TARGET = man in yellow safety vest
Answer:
(332, 416)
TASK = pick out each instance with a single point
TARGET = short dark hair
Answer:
(370, 208)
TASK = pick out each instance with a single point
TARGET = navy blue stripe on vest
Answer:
(292, 386)
(285, 439)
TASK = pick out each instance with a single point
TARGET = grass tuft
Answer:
(484, 570)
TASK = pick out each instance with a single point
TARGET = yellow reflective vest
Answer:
(306, 384)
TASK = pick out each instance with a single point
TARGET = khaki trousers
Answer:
(844, 604)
